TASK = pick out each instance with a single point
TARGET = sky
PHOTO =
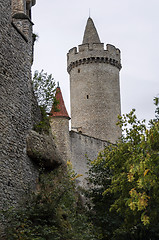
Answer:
(130, 25)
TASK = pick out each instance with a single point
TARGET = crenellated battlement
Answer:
(95, 52)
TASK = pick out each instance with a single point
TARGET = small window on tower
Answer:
(78, 70)
(87, 96)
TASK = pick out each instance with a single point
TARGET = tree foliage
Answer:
(55, 211)
(44, 89)
(124, 182)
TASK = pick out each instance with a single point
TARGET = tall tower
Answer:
(94, 86)
(18, 111)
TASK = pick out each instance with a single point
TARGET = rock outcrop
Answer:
(42, 150)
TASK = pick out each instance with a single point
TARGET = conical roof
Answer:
(59, 110)
(90, 34)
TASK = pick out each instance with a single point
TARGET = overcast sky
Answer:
(130, 25)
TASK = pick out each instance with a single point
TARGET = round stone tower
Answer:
(94, 86)
(59, 122)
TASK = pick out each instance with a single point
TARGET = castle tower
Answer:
(59, 121)
(18, 111)
(94, 86)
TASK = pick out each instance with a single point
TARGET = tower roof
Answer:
(59, 110)
(90, 34)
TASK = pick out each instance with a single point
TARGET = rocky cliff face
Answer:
(42, 150)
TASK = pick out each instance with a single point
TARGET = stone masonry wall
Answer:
(83, 147)
(60, 132)
(17, 172)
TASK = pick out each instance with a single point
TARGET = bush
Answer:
(54, 212)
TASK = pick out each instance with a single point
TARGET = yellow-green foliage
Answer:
(125, 181)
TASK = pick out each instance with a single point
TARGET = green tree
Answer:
(54, 212)
(44, 89)
(105, 221)
(126, 178)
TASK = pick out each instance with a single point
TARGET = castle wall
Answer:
(60, 132)
(17, 172)
(83, 147)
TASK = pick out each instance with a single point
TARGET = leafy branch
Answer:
(44, 89)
